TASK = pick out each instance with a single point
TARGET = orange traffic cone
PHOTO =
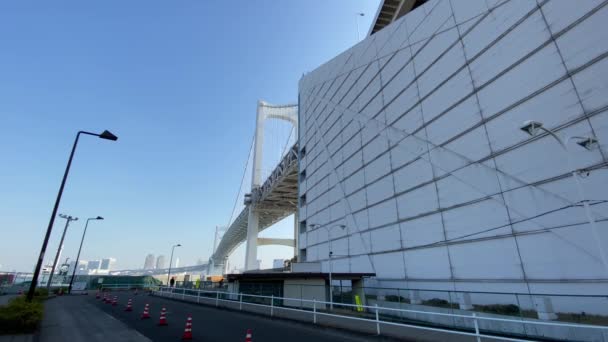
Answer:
(115, 301)
(163, 317)
(188, 329)
(97, 295)
(248, 336)
(129, 307)
(105, 298)
(146, 313)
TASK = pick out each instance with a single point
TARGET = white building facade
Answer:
(411, 140)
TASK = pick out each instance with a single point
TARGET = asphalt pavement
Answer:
(215, 324)
(74, 318)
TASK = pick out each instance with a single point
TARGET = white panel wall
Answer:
(413, 142)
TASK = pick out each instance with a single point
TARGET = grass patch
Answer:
(583, 318)
(20, 316)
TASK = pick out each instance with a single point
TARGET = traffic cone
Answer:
(97, 295)
(105, 298)
(115, 301)
(146, 313)
(129, 306)
(188, 329)
(248, 336)
(163, 317)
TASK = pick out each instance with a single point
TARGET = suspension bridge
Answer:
(268, 201)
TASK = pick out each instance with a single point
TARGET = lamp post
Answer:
(104, 135)
(171, 261)
(357, 15)
(314, 225)
(79, 249)
(68, 219)
(589, 143)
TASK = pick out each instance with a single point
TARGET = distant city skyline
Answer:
(149, 262)
(160, 262)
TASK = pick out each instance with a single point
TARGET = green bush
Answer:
(395, 298)
(64, 289)
(20, 316)
(501, 309)
(41, 292)
(442, 303)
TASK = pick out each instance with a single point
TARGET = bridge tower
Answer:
(264, 111)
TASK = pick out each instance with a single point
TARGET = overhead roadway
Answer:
(391, 10)
(275, 199)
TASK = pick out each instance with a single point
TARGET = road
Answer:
(213, 324)
(75, 318)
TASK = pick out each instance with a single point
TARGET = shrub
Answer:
(41, 292)
(63, 289)
(20, 316)
(501, 309)
(442, 303)
(395, 298)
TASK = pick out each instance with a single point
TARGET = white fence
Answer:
(473, 326)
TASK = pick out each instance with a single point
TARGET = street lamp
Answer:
(79, 249)
(68, 219)
(357, 15)
(171, 261)
(314, 225)
(589, 143)
(104, 135)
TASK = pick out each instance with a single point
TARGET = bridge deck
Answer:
(276, 199)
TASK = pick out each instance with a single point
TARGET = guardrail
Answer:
(371, 314)
(128, 286)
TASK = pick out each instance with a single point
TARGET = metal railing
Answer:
(372, 314)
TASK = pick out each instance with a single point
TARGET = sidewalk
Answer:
(73, 318)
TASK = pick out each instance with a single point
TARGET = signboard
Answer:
(100, 281)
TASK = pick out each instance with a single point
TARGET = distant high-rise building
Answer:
(106, 265)
(149, 263)
(176, 262)
(93, 266)
(82, 267)
(160, 262)
(278, 263)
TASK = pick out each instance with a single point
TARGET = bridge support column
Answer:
(264, 111)
(251, 253)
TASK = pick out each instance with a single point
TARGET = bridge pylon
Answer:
(264, 111)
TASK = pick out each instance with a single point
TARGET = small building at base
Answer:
(300, 286)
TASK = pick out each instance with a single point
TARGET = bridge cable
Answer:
(236, 200)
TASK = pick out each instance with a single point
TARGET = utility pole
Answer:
(68, 219)
(360, 14)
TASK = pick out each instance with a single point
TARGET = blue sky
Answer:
(178, 82)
